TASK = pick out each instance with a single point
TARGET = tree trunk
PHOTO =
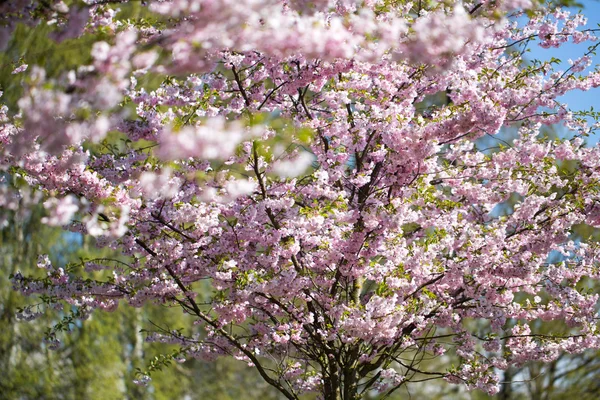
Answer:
(506, 390)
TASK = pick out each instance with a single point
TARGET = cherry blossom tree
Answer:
(284, 174)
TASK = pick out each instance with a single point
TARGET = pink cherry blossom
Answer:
(324, 187)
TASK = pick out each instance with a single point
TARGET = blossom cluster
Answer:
(313, 182)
